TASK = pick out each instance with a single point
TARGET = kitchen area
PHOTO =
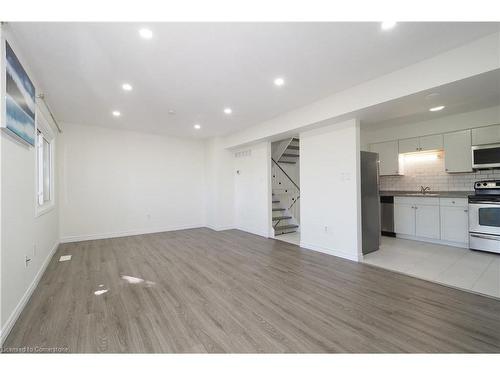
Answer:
(439, 198)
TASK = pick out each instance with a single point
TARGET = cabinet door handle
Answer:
(466, 210)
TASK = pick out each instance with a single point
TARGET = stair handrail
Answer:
(294, 201)
(286, 174)
(283, 148)
(293, 182)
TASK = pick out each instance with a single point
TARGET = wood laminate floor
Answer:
(205, 291)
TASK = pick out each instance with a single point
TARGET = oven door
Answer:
(487, 156)
(484, 217)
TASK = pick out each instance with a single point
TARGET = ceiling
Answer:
(470, 94)
(198, 69)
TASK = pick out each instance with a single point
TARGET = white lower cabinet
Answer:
(443, 220)
(455, 221)
(404, 218)
(427, 221)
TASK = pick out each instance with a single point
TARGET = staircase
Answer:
(286, 191)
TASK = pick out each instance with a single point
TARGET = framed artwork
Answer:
(20, 99)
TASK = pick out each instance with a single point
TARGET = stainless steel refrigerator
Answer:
(370, 202)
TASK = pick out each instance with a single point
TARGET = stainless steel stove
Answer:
(484, 216)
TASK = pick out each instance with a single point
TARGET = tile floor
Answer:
(290, 238)
(463, 268)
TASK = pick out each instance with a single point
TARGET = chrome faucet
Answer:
(424, 190)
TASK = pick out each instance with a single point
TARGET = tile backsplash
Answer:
(427, 169)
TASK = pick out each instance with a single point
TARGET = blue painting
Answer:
(20, 99)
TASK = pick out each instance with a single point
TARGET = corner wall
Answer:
(252, 189)
(22, 232)
(330, 191)
(117, 182)
(219, 192)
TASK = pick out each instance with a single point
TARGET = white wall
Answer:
(115, 183)
(445, 124)
(22, 233)
(330, 190)
(477, 57)
(219, 185)
(252, 189)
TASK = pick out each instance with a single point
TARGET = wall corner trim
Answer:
(220, 228)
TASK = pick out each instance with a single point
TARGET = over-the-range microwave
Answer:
(486, 156)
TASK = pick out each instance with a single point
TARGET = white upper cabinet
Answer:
(486, 135)
(457, 151)
(431, 142)
(388, 156)
(409, 145)
(426, 143)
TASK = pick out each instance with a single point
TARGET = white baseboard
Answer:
(337, 253)
(431, 240)
(100, 236)
(24, 300)
(264, 234)
(218, 229)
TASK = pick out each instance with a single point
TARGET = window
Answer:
(45, 173)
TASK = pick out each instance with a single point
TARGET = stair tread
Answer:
(289, 226)
(276, 201)
(293, 147)
(278, 209)
(287, 162)
(282, 217)
(279, 234)
(290, 155)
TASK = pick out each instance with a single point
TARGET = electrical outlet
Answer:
(326, 228)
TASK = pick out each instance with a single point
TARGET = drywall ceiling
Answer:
(198, 69)
(473, 93)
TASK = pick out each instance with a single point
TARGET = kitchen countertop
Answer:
(431, 194)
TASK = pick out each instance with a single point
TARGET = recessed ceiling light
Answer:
(171, 112)
(279, 81)
(146, 33)
(116, 113)
(197, 126)
(228, 111)
(127, 87)
(435, 109)
(387, 25)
